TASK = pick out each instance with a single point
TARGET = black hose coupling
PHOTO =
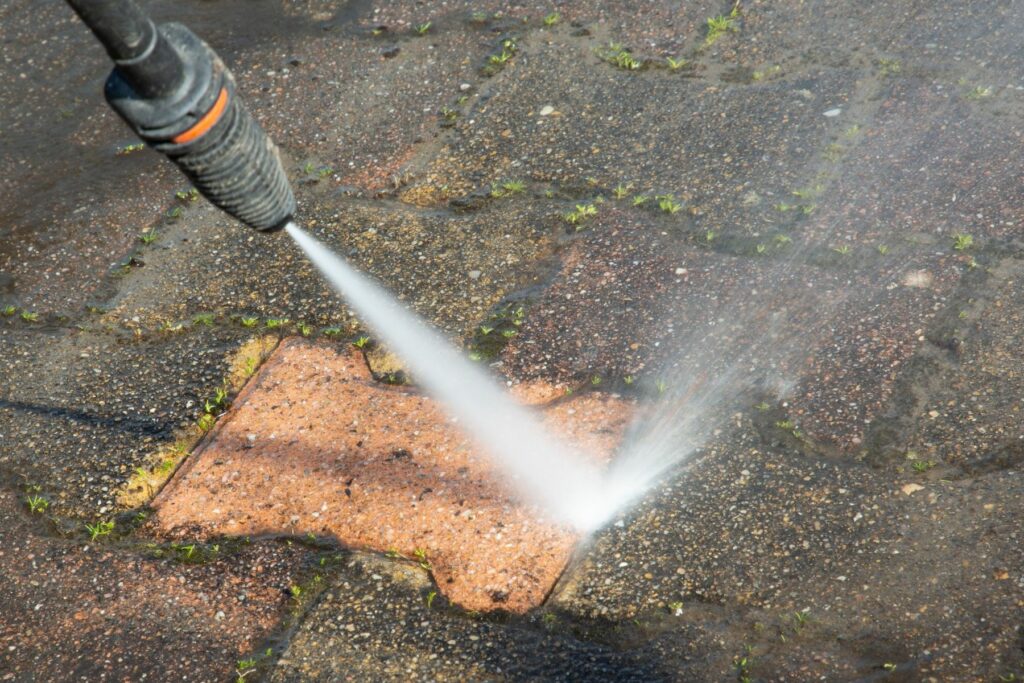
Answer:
(178, 96)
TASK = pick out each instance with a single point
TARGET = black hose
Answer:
(149, 64)
(178, 96)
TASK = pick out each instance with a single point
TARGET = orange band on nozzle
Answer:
(206, 123)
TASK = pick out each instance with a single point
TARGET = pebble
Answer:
(832, 113)
(547, 110)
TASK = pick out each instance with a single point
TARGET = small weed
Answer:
(842, 250)
(722, 24)
(761, 248)
(185, 551)
(324, 171)
(552, 19)
(661, 385)
(640, 199)
(922, 465)
(808, 209)
(29, 316)
(889, 666)
(962, 242)
(770, 71)
(742, 666)
(189, 195)
(620, 57)
(430, 598)
(498, 60)
(783, 239)
(148, 236)
(852, 131)
(99, 529)
(421, 556)
(709, 236)
(248, 321)
(37, 504)
(514, 187)
(833, 152)
(621, 191)
(508, 334)
(484, 330)
(203, 319)
(205, 422)
(244, 668)
(274, 323)
(785, 424)
(218, 401)
(882, 249)
(361, 342)
(783, 207)
(668, 204)
(675, 64)
(422, 29)
(762, 406)
(582, 212)
(8, 311)
(305, 329)
(595, 380)
(331, 331)
(628, 380)
(309, 168)
(888, 67)
(801, 618)
(450, 115)
(128, 149)
(296, 592)
(979, 93)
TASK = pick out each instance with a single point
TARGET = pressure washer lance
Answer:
(177, 95)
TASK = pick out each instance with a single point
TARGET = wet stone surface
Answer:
(80, 610)
(315, 446)
(379, 621)
(826, 273)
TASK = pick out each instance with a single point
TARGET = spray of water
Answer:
(545, 470)
(748, 340)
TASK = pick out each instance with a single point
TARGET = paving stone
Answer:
(79, 610)
(316, 446)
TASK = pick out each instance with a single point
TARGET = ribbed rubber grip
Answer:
(236, 167)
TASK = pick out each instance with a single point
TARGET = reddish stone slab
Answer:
(315, 445)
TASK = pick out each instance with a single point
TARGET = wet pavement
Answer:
(315, 446)
(788, 208)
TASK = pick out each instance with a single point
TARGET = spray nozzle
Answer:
(178, 96)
